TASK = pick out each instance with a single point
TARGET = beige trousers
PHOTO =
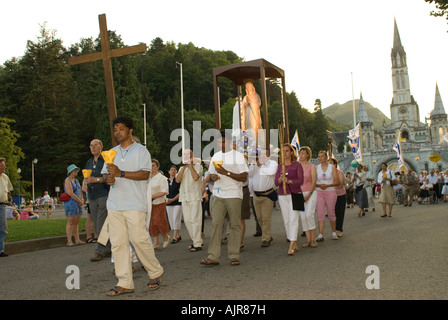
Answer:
(220, 208)
(125, 226)
(192, 212)
(263, 208)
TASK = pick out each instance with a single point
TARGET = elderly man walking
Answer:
(263, 176)
(190, 195)
(5, 188)
(97, 192)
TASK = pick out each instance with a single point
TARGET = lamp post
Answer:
(182, 107)
(32, 174)
(20, 198)
(144, 123)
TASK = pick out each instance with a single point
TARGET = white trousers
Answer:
(290, 217)
(192, 212)
(308, 217)
(174, 216)
(125, 226)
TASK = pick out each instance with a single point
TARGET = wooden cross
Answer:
(106, 54)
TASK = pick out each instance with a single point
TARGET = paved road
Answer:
(409, 251)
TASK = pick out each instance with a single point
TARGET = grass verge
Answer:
(19, 230)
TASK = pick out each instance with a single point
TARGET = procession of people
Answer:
(132, 202)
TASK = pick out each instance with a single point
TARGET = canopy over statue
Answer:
(245, 73)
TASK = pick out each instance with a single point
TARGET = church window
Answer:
(440, 134)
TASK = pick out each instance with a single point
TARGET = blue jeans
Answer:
(3, 227)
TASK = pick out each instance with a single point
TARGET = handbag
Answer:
(64, 197)
(298, 202)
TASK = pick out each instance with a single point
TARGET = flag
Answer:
(397, 148)
(295, 141)
(354, 142)
(445, 137)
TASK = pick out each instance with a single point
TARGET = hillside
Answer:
(343, 113)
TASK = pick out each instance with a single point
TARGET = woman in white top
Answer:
(387, 197)
(327, 179)
(445, 185)
(359, 179)
(159, 190)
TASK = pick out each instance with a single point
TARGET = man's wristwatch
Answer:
(122, 174)
(97, 179)
(228, 173)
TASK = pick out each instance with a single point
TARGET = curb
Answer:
(38, 244)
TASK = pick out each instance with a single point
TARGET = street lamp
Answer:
(32, 174)
(182, 106)
(20, 198)
(144, 123)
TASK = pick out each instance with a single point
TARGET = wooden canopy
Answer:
(240, 73)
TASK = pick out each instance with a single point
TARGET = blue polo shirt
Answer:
(96, 190)
(129, 194)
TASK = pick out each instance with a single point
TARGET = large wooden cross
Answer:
(106, 54)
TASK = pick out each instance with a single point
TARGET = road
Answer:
(407, 253)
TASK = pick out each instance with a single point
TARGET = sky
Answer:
(330, 50)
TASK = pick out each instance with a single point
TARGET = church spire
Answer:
(398, 54)
(438, 105)
(362, 116)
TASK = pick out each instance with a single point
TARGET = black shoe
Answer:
(2, 254)
(257, 234)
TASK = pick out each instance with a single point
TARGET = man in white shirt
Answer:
(5, 189)
(434, 180)
(263, 176)
(127, 206)
(46, 204)
(228, 172)
(190, 195)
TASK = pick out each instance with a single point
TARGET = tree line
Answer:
(51, 111)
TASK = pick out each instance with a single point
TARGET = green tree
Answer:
(441, 6)
(319, 138)
(10, 151)
(45, 109)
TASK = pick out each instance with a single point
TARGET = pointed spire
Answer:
(362, 115)
(438, 104)
(398, 54)
(397, 40)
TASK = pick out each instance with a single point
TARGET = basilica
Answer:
(421, 143)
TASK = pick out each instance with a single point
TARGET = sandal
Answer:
(71, 244)
(195, 249)
(119, 290)
(209, 262)
(89, 240)
(235, 262)
(155, 283)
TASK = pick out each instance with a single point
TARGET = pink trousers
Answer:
(326, 199)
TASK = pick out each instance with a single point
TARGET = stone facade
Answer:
(419, 140)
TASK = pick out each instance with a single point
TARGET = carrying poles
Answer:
(281, 136)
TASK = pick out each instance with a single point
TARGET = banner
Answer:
(445, 137)
(397, 148)
(295, 141)
(354, 141)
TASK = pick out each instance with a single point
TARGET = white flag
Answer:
(445, 137)
(353, 140)
(354, 133)
(295, 141)
(397, 148)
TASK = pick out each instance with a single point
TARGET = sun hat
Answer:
(72, 167)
